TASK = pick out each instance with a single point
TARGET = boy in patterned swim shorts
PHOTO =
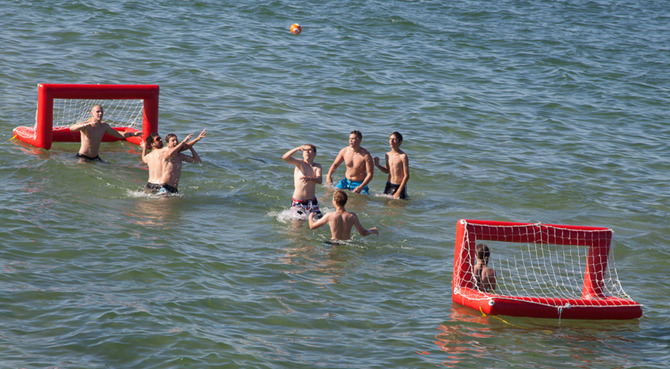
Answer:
(306, 175)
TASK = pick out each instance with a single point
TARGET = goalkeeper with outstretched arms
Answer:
(92, 132)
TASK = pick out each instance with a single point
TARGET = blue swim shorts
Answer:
(346, 184)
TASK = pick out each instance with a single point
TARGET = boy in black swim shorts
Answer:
(397, 168)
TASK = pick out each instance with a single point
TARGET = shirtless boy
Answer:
(359, 166)
(341, 221)
(165, 163)
(306, 175)
(485, 277)
(92, 131)
(397, 167)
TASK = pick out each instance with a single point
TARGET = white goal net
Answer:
(118, 113)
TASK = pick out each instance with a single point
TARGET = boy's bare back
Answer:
(341, 221)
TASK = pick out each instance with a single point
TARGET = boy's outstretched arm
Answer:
(316, 224)
(200, 136)
(359, 227)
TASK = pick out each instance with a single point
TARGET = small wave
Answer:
(288, 215)
(141, 194)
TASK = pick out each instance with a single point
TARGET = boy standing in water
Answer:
(397, 167)
(92, 131)
(485, 277)
(306, 175)
(358, 160)
(341, 221)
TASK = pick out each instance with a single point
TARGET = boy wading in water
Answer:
(341, 221)
(360, 168)
(397, 167)
(306, 175)
(92, 132)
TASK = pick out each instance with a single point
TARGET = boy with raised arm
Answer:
(92, 131)
(397, 168)
(341, 221)
(358, 160)
(306, 175)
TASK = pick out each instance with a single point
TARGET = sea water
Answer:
(529, 111)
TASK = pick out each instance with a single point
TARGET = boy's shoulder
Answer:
(349, 214)
(397, 153)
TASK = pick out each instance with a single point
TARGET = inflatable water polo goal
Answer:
(541, 270)
(126, 108)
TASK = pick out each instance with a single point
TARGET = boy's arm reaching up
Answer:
(191, 143)
(144, 150)
(288, 156)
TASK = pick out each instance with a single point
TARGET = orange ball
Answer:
(295, 29)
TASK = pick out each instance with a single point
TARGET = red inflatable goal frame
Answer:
(593, 304)
(43, 134)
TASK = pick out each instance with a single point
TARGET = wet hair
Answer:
(358, 134)
(340, 197)
(169, 136)
(398, 135)
(482, 252)
(313, 147)
(151, 138)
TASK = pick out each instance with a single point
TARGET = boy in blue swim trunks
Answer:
(397, 167)
(360, 168)
(306, 175)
